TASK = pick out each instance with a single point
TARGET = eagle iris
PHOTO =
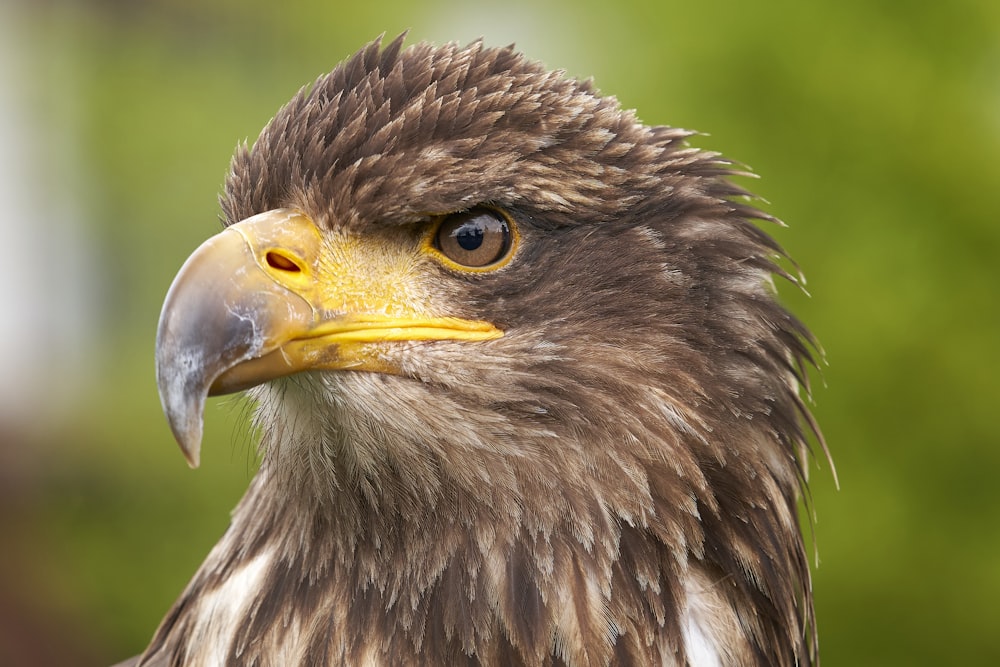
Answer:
(474, 238)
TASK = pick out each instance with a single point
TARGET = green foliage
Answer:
(875, 127)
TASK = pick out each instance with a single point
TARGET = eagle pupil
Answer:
(470, 235)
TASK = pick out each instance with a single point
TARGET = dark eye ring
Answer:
(476, 238)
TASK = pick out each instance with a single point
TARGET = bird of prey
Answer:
(524, 390)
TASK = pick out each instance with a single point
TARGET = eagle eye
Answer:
(477, 238)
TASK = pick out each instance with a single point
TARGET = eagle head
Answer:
(524, 391)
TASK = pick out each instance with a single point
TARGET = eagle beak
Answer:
(257, 302)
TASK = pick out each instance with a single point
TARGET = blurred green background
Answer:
(875, 126)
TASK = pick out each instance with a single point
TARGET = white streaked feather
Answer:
(699, 645)
(706, 617)
(223, 608)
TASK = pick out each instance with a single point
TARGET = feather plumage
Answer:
(614, 481)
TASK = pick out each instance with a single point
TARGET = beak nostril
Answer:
(282, 262)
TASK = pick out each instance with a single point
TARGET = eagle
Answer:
(524, 390)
